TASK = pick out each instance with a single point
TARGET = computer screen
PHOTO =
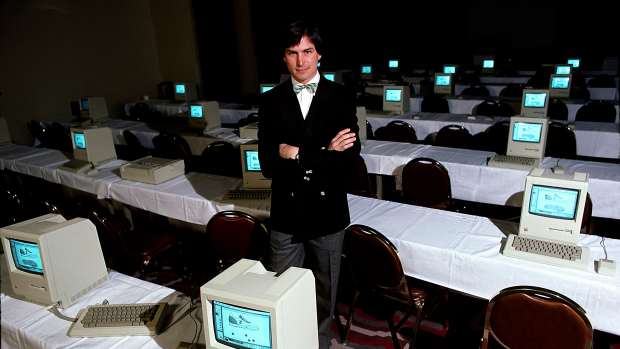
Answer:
(94, 108)
(366, 69)
(266, 87)
(195, 111)
(330, 76)
(560, 82)
(84, 104)
(79, 140)
(93, 144)
(535, 100)
(248, 307)
(562, 69)
(185, 91)
(251, 161)
(527, 137)
(553, 205)
(574, 62)
(488, 64)
(43, 254)
(179, 88)
(449, 69)
(251, 172)
(442, 80)
(529, 132)
(393, 95)
(393, 64)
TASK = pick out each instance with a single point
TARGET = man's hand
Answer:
(288, 151)
(343, 140)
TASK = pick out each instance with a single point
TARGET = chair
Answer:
(561, 141)
(426, 182)
(475, 91)
(142, 112)
(233, 235)
(434, 103)
(369, 132)
(453, 136)
(496, 137)
(602, 81)
(523, 317)
(39, 133)
(250, 118)
(358, 182)
(380, 279)
(557, 110)
(396, 131)
(59, 137)
(135, 149)
(171, 146)
(486, 108)
(580, 93)
(600, 111)
(220, 158)
(512, 91)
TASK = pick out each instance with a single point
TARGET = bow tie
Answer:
(311, 86)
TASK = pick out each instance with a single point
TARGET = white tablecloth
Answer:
(29, 325)
(461, 252)
(472, 180)
(167, 108)
(597, 139)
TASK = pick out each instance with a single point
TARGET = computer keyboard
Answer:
(549, 252)
(514, 162)
(248, 194)
(140, 319)
(79, 166)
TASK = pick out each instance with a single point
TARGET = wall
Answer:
(53, 51)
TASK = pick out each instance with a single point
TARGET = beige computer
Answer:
(204, 115)
(488, 65)
(252, 176)
(559, 86)
(444, 84)
(396, 99)
(92, 146)
(535, 103)
(526, 144)
(185, 91)
(450, 69)
(93, 108)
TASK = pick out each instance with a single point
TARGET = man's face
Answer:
(301, 60)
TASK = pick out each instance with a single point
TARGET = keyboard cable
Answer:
(54, 310)
(603, 245)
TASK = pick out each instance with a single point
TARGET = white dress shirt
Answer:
(305, 96)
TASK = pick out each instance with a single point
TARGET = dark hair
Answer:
(299, 29)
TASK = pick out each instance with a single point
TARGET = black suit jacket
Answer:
(308, 195)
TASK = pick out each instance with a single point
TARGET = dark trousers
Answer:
(321, 255)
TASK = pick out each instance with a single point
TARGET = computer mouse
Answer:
(557, 169)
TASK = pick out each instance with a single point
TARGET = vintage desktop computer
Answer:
(444, 84)
(551, 215)
(185, 91)
(252, 176)
(93, 109)
(248, 307)
(488, 65)
(559, 86)
(366, 72)
(535, 103)
(450, 69)
(53, 261)
(393, 66)
(562, 69)
(92, 146)
(266, 87)
(575, 62)
(527, 139)
(204, 116)
(396, 99)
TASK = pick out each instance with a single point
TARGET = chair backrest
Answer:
(496, 137)
(453, 136)
(39, 131)
(475, 91)
(580, 92)
(426, 182)
(135, 148)
(382, 272)
(171, 146)
(221, 158)
(60, 137)
(396, 131)
(505, 109)
(532, 317)
(434, 103)
(561, 141)
(512, 91)
(600, 111)
(358, 182)
(557, 110)
(141, 112)
(487, 108)
(602, 81)
(233, 235)
(369, 132)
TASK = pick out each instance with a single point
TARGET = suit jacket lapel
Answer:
(320, 95)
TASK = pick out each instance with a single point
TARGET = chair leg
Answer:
(349, 317)
(393, 332)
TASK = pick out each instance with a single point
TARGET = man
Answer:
(307, 138)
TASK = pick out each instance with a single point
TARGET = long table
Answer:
(454, 250)
(596, 139)
(29, 325)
